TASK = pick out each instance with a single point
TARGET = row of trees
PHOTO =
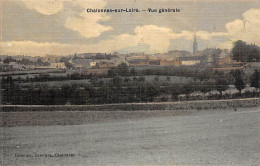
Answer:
(123, 70)
(117, 90)
(114, 92)
(24, 61)
(45, 77)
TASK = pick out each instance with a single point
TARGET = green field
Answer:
(149, 78)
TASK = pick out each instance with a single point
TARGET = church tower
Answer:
(195, 45)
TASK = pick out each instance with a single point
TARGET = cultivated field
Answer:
(213, 137)
(183, 105)
(148, 79)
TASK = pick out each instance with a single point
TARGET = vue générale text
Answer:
(133, 10)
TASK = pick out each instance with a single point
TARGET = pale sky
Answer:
(62, 27)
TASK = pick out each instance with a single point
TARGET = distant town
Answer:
(100, 63)
(172, 76)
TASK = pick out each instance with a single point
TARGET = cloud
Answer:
(156, 38)
(86, 24)
(47, 7)
(246, 29)
(37, 49)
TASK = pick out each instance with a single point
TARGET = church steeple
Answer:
(195, 45)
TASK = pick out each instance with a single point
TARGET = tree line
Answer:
(118, 90)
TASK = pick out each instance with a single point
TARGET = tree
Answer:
(126, 79)
(64, 59)
(94, 80)
(221, 84)
(221, 81)
(141, 79)
(152, 91)
(78, 97)
(239, 83)
(25, 61)
(122, 69)
(239, 51)
(255, 79)
(117, 81)
(243, 52)
(9, 59)
(39, 61)
(133, 72)
(156, 79)
(68, 65)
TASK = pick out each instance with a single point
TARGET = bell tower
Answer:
(195, 45)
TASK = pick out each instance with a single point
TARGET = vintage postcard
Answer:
(129, 82)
